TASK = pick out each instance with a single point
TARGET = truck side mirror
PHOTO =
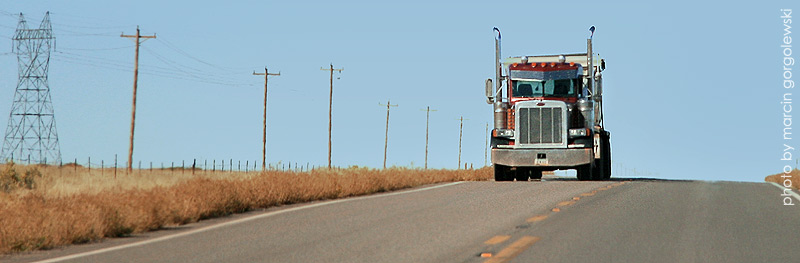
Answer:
(602, 64)
(489, 91)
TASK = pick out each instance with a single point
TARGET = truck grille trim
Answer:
(540, 125)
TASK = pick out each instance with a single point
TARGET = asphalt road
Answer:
(556, 220)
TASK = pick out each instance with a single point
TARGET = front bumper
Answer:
(555, 158)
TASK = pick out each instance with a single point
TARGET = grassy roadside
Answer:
(46, 207)
(776, 178)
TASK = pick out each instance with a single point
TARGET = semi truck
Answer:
(548, 115)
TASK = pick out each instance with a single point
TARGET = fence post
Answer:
(151, 166)
(214, 165)
(102, 163)
(115, 166)
(194, 162)
(76, 164)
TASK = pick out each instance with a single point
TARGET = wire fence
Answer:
(191, 165)
(212, 165)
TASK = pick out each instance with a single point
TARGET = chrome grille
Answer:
(540, 125)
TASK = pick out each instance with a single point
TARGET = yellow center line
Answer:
(588, 194)
(566, 203)
(513, 250)
(536, 218)
(497, 240)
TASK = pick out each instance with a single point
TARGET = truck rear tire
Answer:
(502, 173)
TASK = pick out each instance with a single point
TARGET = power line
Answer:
(182, 52)
(147, 72)
(182, 70)
(197, 73)
(192, 71)
(148, 69)
(107, 24)
(97, 49)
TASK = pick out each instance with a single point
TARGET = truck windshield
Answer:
(545, 88)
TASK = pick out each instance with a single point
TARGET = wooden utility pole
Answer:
(264, 137)
(386, 140)
(330, 111)
(138, 38)
(460, 129)
(427, 121)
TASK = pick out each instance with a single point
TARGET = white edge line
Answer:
(237, 221)
(784, 189)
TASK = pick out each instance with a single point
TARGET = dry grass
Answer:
(776, 178)
(68, 205)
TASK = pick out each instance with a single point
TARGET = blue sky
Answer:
(692, 89)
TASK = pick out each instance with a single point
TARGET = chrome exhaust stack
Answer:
(497, 98)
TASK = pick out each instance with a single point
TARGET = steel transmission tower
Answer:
(31, 133)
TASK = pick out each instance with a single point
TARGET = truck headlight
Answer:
(503, 133)
(573, 133)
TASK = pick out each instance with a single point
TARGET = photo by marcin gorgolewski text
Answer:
(788, 85)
